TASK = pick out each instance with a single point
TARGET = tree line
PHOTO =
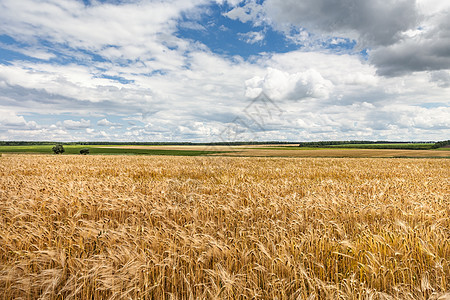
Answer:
(441, 144)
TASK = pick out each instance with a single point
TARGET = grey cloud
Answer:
(15, 95)
(378, 22)
(412, 56)
(41, 101)
(401, 37)
(428, 50)
(441, 78)
(216, 114)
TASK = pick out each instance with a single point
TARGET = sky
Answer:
(224, 70)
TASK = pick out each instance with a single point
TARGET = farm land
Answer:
(218, 226)
(413, 150)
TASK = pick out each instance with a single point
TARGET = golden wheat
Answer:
(118, 227)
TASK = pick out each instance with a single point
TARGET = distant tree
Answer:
(441, 144)
(58, 149)
(84, 151)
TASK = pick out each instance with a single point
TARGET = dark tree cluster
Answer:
(58, 149)
(441, 144)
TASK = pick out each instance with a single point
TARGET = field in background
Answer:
(294, 151)
(154, 227)
(110, 150)
(355, 150)
(413, 146)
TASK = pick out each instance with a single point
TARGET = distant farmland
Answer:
(412, 146)
(370, 150)
(109, 150)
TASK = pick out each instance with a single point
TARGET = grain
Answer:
(118, 227)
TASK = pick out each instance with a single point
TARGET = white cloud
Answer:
(229, 2)
(251, 11)
(75, 125)
(146, 36)
(106, 123)
(431, 7)
(281, 85)
(337, 96)
(346, 72)
(9, 118)
(192, 26)
(411, 117)
(35, 52)
(252, 37)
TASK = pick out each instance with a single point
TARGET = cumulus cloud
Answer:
(284, 86)
(15, 127)
(106, 123)
(9, 119)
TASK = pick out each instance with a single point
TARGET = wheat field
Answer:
(127, 227)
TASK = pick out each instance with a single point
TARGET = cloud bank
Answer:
(126, 71)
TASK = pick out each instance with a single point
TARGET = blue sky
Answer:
(190, 70)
